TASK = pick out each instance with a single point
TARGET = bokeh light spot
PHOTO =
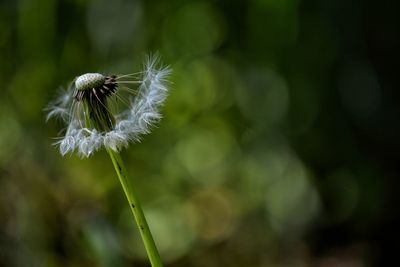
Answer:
(264, 98)
(195, 29)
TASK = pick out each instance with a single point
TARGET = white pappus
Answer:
(90, 122)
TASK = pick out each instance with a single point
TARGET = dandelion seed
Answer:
(91, 124)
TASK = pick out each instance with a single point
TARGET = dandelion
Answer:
(86, 110)
(91, 109)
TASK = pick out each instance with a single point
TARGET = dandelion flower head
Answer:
(91, 108)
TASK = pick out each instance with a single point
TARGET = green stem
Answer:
(136, 208)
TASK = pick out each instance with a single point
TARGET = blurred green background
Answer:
(279, 145)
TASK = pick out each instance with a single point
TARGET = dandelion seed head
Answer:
(91, 124)
(94, 86)
(89, 80)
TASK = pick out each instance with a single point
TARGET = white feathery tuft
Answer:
(144, 110)
(60, 107)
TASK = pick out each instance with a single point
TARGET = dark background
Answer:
(279, 144)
